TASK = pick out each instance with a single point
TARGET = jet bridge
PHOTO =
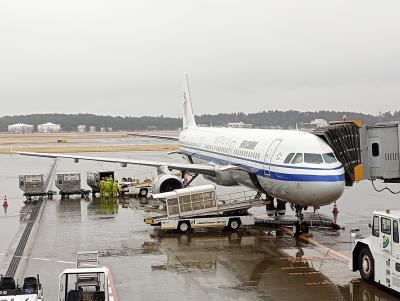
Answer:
(380, 145)
(367, 152)
(344, 138)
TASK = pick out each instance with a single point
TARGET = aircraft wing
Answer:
(196, 168)
(172, 138)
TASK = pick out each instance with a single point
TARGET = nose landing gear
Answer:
(300, 226)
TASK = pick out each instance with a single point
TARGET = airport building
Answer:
(239, 125)
(49, 128)
(20, 128)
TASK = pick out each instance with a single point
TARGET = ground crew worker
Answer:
(107, 188)
(101, 185)
(115, 188)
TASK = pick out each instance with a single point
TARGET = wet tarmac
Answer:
(146, 263)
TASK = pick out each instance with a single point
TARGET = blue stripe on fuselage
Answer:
(261, 162)
(274, 175)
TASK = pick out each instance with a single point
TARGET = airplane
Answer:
(290, 166)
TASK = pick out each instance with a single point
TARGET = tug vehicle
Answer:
(377, 257)
(88, 281)
(31, 290)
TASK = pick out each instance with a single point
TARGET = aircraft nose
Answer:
(331, 192)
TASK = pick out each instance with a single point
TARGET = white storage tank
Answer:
(81, 128)
(20, 128)
(49, 128)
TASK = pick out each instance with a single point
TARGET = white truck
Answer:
(199, 207)
(377, 257)
(88, 281)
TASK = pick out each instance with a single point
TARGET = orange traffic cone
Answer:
(335, 212)
(5, 202)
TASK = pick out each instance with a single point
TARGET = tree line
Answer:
(264, 119)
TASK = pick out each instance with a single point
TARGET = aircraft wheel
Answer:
(366, 265)
(184, 227)
(296, 229)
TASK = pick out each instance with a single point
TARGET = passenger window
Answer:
(298, 158)
(289, 158)
(386, 226)
(395, 231)
(375, 226)
(313, 158)
(329, 158)
(375, 149)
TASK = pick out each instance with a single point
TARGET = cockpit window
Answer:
(329, 158)
(313, 158)
(298, 158)
(288, 158)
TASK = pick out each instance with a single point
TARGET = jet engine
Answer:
(165, 183)
(223, 178)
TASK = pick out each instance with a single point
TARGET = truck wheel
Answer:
(296, 229)
(366, 265)
(184, 227)
(143, 192)
(234, 224)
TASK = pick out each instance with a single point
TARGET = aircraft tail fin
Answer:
(188, 116)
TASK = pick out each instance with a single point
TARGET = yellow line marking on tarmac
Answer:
(316, 243)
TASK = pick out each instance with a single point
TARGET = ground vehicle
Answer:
(377, 257)
(88, 281)
(30, 291)
(136, 187)
(199, 207)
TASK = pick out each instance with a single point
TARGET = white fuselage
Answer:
(257, 158)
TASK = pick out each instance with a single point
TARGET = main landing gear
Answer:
(300, 226)
(272, 210)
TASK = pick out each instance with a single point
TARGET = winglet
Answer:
(188, 117)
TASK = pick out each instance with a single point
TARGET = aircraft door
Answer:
(374, 157)
(230, 152)
(271, 150)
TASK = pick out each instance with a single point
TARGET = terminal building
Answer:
(239, 125)
(49, 128)
(20, 128)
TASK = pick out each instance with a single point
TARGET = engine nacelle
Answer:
(165, 183)
(223, 178)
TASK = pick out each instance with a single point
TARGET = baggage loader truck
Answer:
(199, 207)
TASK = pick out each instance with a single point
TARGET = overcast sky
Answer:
(128, 57)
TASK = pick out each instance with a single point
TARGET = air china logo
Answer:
(385, 241)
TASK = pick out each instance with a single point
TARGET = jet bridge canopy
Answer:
(344, 138)
(367, 152)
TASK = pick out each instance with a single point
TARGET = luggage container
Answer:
(33, 186)
(70, 184)
(94, 178)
